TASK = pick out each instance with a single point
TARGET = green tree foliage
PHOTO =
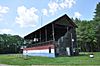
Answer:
(97, 24)
(10, 43)
(86, 35)
(97, 13)
(88, 32)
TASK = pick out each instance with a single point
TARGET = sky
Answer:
(21, 17)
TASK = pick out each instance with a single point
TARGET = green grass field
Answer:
(83, 59)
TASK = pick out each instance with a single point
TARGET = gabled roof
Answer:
(67, 18)
(55, 21)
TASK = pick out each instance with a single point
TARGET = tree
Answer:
(88, 32)
(10, 43)
(97, 24)
(86, 35)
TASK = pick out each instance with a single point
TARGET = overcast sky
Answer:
(20, 17)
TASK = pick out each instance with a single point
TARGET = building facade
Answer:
(57, 38)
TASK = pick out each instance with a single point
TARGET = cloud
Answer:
(45, 12)
(27, 17)
(3, 10)
(54, 6)
(77, 15)
(67, 4)
(7, 31)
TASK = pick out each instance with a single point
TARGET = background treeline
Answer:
(88, 32)
(10, 43)
(88, 36)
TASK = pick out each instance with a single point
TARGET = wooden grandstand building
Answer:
(57, 38)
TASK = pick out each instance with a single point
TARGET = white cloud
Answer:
(77, 15)
(45, 12)
(3, 10)
(67, 4)
(54, 6)
(27, 17)
(7, 31)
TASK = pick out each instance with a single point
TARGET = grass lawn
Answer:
(81, 60)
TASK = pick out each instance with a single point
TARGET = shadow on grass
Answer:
(83, 55)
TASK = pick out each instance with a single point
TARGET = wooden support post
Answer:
(45, 34)
(67, 28)
(40, 35)
(53, 32)
(35, 38)
(72, 42)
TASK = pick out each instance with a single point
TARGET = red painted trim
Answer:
(40, 47)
